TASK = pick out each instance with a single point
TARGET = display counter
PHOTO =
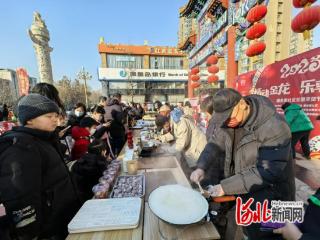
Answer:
(161, 168)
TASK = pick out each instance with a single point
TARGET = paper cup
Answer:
(132, 167)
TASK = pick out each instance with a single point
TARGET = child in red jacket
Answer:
(81, 134)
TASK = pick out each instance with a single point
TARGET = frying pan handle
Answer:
(223, 199)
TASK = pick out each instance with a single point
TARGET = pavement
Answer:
(307, 177)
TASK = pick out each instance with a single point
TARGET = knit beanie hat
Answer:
(33, 106)
(88, 122)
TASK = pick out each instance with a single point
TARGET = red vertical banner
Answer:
(23, 81)
(294, 80)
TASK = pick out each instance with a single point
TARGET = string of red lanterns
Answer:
(194, 76)
(307, 19)
(257, 30)
(212, 68)
(302, 3)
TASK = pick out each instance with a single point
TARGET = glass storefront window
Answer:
(127, 85)
(124, 61)
(161, 62)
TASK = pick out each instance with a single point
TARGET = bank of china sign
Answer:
(143, 74)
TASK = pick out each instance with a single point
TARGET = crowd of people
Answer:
(51, 160)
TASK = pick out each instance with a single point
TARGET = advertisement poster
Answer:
(23, 81)
(294, 80)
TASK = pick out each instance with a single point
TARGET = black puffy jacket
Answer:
(35, 186)
(86, 172)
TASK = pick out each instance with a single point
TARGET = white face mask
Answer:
(78, 114)
(92, 131)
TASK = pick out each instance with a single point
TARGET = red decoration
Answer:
(256, 13)
(213, 78)
(306, 20)
(256, 31)
(213, 59)
(256, 49)
(302, 3)
(195, 84)
(195, 77)
(195, 70)
(213, 69)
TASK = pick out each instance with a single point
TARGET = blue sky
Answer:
(76, 25)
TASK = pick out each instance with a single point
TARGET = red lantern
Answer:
(256, 13)
(213, 69)
(302, 3)
(195, 78)
(256, 49)
(195, 84)
(195, 70)
(213, 59)
(306, 20)
(213, 78)
(256, 31)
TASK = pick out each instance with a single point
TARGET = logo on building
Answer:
(123, 73)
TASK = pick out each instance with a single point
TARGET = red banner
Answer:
(294, 80)
(23, 81)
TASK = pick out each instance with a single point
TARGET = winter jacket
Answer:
(35, 186)
(86, 172)
(215, 172)
(189, 139)
(113, 111)
(262, 163)
(211, 128)
(297, 119)
(81, 137)
(311, 224)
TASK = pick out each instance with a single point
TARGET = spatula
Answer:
(203, 192)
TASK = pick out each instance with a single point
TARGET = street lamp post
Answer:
(83, 75)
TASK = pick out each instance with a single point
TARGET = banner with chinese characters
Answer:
(23, 81)
(294, 80)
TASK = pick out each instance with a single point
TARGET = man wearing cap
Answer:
(35, 186)
(165, 111)
(258, 160)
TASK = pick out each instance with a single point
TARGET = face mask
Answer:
(233, 122)
(78, 114)
(92, 131)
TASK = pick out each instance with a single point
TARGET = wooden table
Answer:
(162, 169)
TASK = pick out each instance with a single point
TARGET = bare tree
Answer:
(70, 92)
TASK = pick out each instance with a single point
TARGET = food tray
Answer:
(106, 214)
(142, 180)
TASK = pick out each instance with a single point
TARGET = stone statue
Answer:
(39, 35)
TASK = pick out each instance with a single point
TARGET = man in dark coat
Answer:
(35, 186)
(115, 114)
(256, 142)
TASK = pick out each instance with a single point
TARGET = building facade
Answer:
(298, 44)
(143, 73)
(221, 29)
(10, 83)
(205, 39)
